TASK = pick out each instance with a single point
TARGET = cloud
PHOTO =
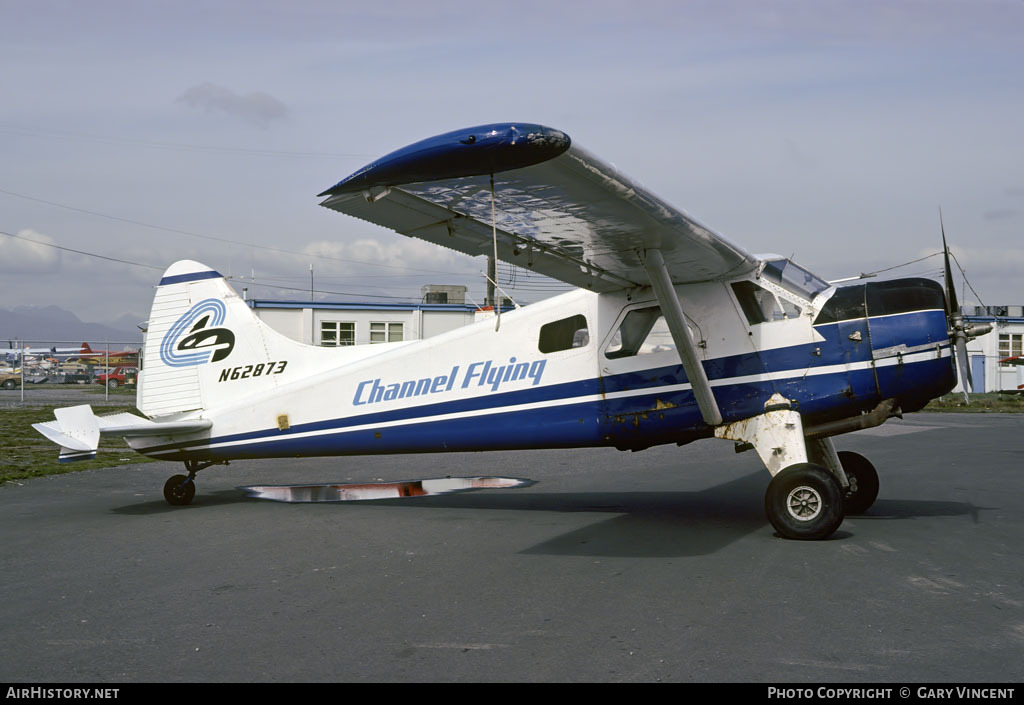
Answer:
(408, 255)
(1000, 214)
(21, 256)
(257, 108)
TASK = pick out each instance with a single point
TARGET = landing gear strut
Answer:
(179, 490)
(813, 487)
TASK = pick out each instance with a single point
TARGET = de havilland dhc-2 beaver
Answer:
(674, 334)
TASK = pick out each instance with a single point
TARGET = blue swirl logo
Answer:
(196, 339)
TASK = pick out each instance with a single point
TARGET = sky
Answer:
(830, 131)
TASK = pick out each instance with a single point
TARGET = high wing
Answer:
(557, 209)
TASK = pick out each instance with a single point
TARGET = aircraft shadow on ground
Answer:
(203, 500)
(645, 524)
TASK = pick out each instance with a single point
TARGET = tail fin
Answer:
(202, 342)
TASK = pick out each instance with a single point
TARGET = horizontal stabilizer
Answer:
(77, 429)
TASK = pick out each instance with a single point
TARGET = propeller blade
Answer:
(955, 321)
(965, 369)
(951, 302)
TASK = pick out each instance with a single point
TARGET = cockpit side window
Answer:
(565, 334)
(759, 305)
(641, 332)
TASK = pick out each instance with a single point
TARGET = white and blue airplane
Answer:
(674, 334)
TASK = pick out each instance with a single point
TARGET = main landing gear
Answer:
(179, 490)
(813, 487)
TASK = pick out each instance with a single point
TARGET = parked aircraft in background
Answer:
(82, 353)
(675, 334)
(115, 357)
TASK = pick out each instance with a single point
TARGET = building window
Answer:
(337, 333)
(386, 332)
(1010, 345)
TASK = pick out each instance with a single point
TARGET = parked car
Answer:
(119, 376)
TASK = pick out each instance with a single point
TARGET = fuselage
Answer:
(585, 369)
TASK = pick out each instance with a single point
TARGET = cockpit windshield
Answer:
(793, 277)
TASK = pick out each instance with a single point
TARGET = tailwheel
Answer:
(863, 482)
(804, 501)
(179, 490)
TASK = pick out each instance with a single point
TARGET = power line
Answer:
(213, 238)
(82, 252)
(176, 146)
(964, 275)
(240, 280)
(897, 266)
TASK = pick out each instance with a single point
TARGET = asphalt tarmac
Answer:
(650, 566)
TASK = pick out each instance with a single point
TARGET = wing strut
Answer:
(681, 336)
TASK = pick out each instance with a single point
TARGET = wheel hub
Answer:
(803, 503)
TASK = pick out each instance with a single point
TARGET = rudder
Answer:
(196, 320)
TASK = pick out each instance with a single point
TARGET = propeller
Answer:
(959, 332)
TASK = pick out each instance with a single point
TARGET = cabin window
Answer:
(565, 334)
(383, 332)
(337, 333)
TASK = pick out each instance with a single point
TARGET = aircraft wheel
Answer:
(863, 482)
(804, 501)
(179, 490)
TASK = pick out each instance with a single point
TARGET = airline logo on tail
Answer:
(196, 339)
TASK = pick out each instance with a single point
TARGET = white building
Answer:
(1006, 340)
(335, 324)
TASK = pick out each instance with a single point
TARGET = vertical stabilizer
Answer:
(195, 319)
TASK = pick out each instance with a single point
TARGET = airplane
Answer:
(116, 357)
(82, 353)
(761, 351)
(13, 352)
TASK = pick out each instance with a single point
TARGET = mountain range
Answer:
(47, 325)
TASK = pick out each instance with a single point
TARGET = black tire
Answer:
(112, 384)
(179, 490)
(9, 384)
(805, 502)
(863, 482)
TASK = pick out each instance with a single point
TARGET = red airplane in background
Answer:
(115, 357)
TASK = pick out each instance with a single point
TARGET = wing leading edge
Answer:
(558, 210)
